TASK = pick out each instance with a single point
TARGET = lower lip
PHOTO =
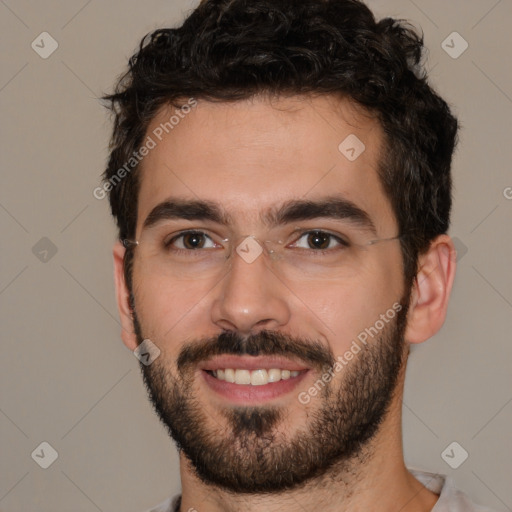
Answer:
(247, 393)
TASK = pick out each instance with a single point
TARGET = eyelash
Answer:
(343, 244)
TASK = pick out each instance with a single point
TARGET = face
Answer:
(256, 275)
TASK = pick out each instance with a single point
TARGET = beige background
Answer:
(66, 378)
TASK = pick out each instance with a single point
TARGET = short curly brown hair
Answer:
(229, 50)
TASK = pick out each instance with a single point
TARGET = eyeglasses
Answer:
(294, 253)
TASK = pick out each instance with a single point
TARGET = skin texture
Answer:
(248, 156)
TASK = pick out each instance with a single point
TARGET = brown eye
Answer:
(319, 240)
(193, 240)
(190, 241)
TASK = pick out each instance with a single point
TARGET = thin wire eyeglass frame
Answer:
(273, 253)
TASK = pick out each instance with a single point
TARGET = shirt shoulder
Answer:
(450, 498)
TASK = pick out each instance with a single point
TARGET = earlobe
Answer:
(431, 290)
(123, 298)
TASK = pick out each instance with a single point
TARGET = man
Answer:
(280, 177)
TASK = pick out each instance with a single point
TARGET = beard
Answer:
(247, 453)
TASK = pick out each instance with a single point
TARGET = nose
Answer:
(251, 297)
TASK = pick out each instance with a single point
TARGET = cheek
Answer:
(341, 312)
(169, 311)
(344, 310)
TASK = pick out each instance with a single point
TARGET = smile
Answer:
(252, 379)
(257, 377)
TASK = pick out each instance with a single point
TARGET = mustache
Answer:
(268, 343)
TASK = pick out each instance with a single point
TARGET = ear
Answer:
(122, 294)
(431, 290)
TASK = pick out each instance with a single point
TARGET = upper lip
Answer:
(252, 363)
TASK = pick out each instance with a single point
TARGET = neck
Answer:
(376, 479)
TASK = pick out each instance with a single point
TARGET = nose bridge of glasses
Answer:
(249, 247)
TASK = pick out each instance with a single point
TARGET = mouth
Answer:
(252, 379)
(258, 377)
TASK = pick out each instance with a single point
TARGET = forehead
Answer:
(257, 154)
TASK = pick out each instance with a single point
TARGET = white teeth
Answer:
(254, 377)
(242, 377)
(259, 377)
(274, 375)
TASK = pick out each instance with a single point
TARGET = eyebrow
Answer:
(291, 211)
